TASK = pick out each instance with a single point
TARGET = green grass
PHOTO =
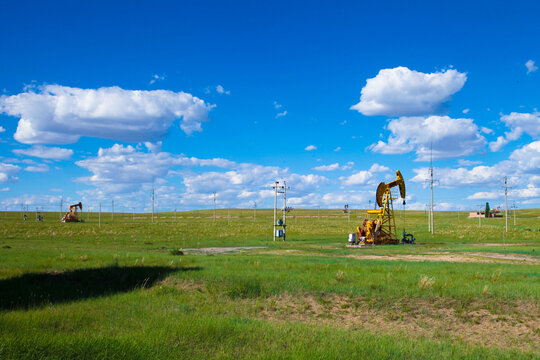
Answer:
(124, 290)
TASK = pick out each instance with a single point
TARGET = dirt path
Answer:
(453, 257)
(221, 250)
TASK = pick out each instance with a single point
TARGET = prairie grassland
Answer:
(122, 290)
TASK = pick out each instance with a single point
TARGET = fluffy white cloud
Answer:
(486, 130)
(310, 148)
(126, 170)
(463, 162)
(61, 115)
(45, 152)
(2, 129)
(401, 92)
(363, 177)
(8, 172)
(157, 77)
(45, 202)
(125, 165)
(37, 168)
(486, 195)
(530, 66)
(449, 137)
(527, 158)
(335, 166)
(221, 90)
(522, 170)
(519, 123)
(281, 114)
(379, 168)
(462, 177)
(523, 123)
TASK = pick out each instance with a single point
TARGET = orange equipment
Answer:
(72, 215)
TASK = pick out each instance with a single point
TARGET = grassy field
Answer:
(123, 290)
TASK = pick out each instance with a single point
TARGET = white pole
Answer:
(275, 211)
(284, 209)
(432, 213)
(506, 204)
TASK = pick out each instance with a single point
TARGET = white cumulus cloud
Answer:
(131, 172)
(335, 166)
(45, 152)
(61, 115)
(310, 148)
(364, 177)
(403, 92)
(449, 137)
(8, 172)
(518, 123)
(37, 168)
(281, 114)
(221, 90)
(531, 67)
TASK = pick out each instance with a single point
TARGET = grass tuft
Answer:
(426, 282)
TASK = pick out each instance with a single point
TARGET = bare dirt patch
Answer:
(445, 256)
(514, 329)
(451, 257)
(221, 250)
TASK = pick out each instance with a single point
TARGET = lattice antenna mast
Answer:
(280, 189)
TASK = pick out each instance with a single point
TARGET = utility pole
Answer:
(429, 217)
(506, 203)
(514, 207)
(479, 215)
(431, 181)
(275, 209)
(284, 206)
(431, 185)
(153, 203)
(214, 207)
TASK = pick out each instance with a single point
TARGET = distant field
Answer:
(122, 289)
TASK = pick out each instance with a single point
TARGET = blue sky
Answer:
(106, 100)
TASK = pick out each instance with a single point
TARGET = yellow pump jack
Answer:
(382, 229)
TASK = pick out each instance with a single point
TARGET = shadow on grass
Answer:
(35, 290)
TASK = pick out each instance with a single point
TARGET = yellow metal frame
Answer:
(383, 229)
